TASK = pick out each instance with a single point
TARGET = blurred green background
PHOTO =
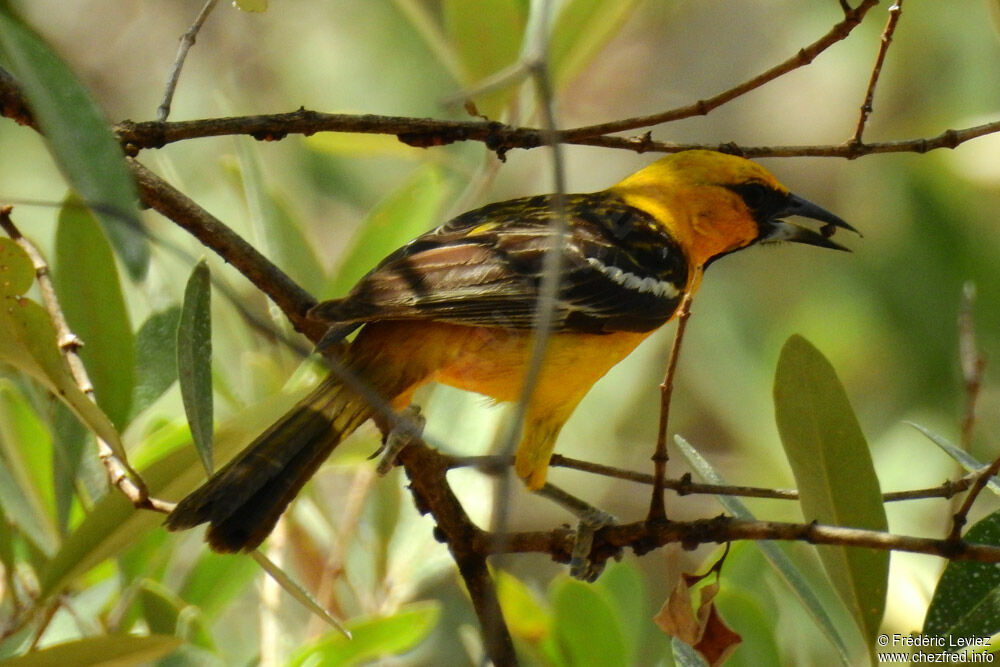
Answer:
(326, 207)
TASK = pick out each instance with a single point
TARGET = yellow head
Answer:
(713, 204)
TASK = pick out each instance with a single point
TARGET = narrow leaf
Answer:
(114, 524)
(781, 563)
(215, 580)
(26, 460)
(374, 638)
(276, 229)
(90, 294)
(296, 590)
(834, 474)
(102, 651)
(28, 343)
(78, 136)
(156, 345)
(964, 459)
(194, 359)
(966, 602)
(160, 607)
(526, 617)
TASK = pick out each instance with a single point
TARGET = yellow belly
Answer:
(398, 357)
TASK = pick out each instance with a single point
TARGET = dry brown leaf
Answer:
(703, 628)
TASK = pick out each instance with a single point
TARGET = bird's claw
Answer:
(409, 427)
(580, 565)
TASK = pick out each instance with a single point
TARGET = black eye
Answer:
(755, 195)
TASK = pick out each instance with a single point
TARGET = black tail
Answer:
(243, 500)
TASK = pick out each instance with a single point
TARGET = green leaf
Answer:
(297, 591)
(160, 607)
(77, 471)
(373, 638)
(966, 602)
(756, 627)
(585, 623)
(194, 359)
(279, 233)
(781, 563)
(26, 490)
(623, 584)
(834, 474)
(103, 651)
(79, 137)
(251, 5)
(156, 345)
(90, 294)
(526, 617)
(966, 460)
(114, 525)
(487, 36)
(408, 212)
(215, 580)
(28, 343)
(581, 30)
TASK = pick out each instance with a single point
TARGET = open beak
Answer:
(775, 229)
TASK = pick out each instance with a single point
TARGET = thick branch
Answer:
(643, 536)
(497, 136)
(427, 471)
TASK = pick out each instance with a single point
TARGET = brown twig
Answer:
(12, 102)
(895, 11)
(120, 473)
(657, 510)
(643, 536)
(852, 18)
(686, 486)
(961, 516)
(972, 362)
(187, 41)
(426, 469)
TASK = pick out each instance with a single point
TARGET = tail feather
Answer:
(243, 500)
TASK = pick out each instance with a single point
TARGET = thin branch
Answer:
(895, 11)
(685, 486)
(426, 469)
(961, 516)
(13, 105)
(657, 510)
(972, 362)
(187, 41)
(805, 56)
(120, 473)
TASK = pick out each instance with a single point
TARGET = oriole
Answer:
(457, 304)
